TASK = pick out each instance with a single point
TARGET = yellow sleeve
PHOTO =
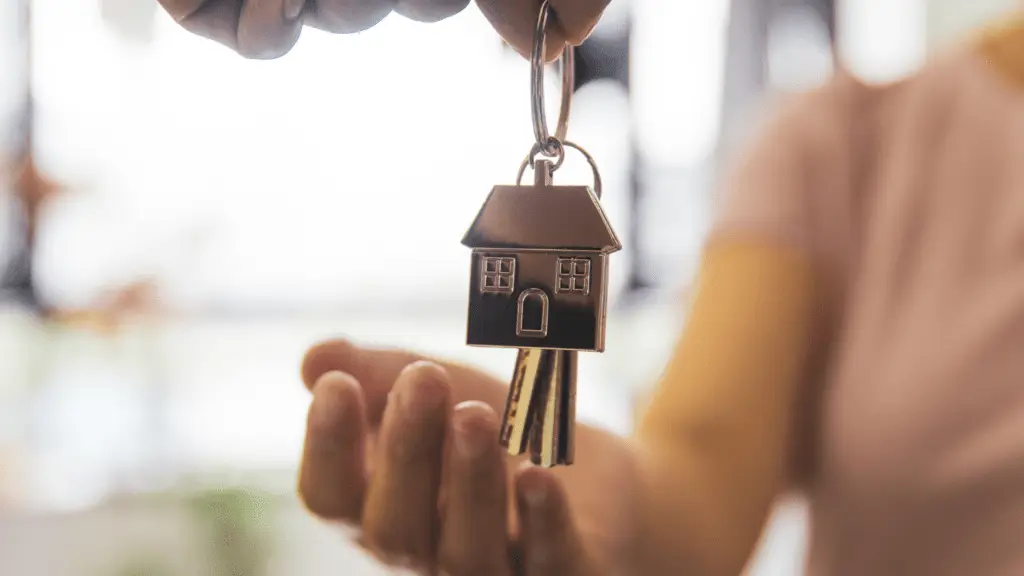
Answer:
(717, 435)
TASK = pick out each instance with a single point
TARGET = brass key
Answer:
(541, 407)
(521, 406)
(552, 441)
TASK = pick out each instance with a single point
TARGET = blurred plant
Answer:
(114, 307)
(32, 189)
(238, 525)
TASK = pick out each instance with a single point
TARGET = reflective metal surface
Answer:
(517, 421)
(545, 141)
(545, 309)
(539, 273)
(553, 436)
(540, 411)
(531, 160)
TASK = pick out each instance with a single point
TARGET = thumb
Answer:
(515, 21)
(377, 368)
(577, 18)
(551, 544)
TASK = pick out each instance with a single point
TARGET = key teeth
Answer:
(512, 451)
(540, 410)
(538, 461)
(520, 409)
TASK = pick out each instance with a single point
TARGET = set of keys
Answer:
(539, 279)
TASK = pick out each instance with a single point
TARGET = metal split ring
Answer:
(540, 123)
(528, 162)
(553, 148)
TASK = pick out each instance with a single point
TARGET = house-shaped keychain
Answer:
(539, 277)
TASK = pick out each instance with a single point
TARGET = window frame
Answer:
(573, 275)
(492, 268)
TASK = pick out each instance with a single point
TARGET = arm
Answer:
(716, 438)
(719, 438)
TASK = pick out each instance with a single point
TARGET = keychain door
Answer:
(532, 314)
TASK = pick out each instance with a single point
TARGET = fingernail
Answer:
(414, 398)
(333, 375)
(424, 387)
(472, 431)
(467, 442)
(332, 397)
(536, 496)
(293, 8)
(533, 485)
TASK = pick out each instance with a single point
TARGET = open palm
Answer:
(366, 462)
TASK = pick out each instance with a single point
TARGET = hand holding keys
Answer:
(270, 28)
(539, 280)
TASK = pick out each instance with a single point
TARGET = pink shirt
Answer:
(910, 198)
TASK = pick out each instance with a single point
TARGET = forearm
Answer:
(699, 513)
(715, 443)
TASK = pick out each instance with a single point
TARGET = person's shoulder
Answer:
(828, 111)
(826, 119)
(813, 118)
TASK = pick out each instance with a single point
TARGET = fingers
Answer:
(264, 29)
(214, 19)
(377, 369)
(430, 10)
(347, 16)
(474, 538)
(270, 28)
(400, 516)
(577, 18)
(255, 29)
(293, 8)
(515, 21)
(332, 474)
(181, 9)
(550, 544)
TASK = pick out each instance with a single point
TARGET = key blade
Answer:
(552, 440)
(517, 420)
(552, 413)
(567, 415)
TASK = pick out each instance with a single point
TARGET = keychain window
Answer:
(499, 274)
(573, 275)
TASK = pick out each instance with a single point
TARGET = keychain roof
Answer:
(555, 217)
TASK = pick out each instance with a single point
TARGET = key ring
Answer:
(540, 123)
(560, 153)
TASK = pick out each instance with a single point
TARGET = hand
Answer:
(269, 28)
(408, 451)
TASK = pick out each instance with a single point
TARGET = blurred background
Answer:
(178, 224)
